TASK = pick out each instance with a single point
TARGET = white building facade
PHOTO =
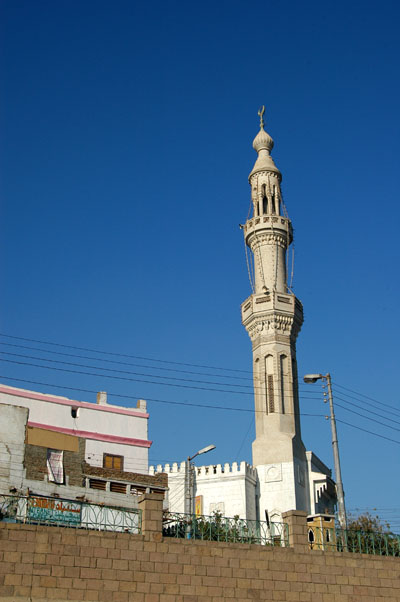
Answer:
(110, 431)
(284, 476)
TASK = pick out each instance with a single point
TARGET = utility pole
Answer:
(312, 378)
(188, 505)
(336, 458)
(188, 474)
(188, 487)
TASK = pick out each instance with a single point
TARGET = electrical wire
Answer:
(365, 410)
(44, 359)
(124, 378)
(108, 361)
(114, 377)
(158, 360)
(135, 397)
(366, 431)
(367, 417)
(336, 396)
(123, 354)
(366, 396)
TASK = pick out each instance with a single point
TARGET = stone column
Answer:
(297, 523)
(151, 505)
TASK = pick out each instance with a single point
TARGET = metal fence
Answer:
(41, 510)
(362, 542)
(222, 528)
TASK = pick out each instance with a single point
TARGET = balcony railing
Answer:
(362, 542)
(41, 510)
(222, 528)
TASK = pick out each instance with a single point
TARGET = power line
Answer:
(44, 359)
(366, 396)
(365, 410)
(181, 403)
(135, 397)
(138, 357)
(158, 360)
(102, 368)
(124, 378)
(372, 405)
(174, 370)
(366, 431)
(108, 361)
(367, 417)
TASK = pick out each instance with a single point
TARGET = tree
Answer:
(368, 534)
(368, 523)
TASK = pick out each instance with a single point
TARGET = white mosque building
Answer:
(284, 476)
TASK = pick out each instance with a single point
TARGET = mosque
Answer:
(283, 475)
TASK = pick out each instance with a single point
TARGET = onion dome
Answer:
(263, 141)
(263, 144)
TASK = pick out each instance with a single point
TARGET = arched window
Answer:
(284, 374)
(269, 382)
(264, 201)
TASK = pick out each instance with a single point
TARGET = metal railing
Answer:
(222, 528)
(346, 540)
(41, 510)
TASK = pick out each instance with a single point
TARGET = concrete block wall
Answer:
(13, 422)
(39, 564)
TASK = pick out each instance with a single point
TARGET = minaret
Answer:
(273, 317)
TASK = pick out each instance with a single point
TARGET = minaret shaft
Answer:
(288, 477)
(273, 318)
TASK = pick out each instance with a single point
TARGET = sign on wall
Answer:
(198, 505)
(51, 510)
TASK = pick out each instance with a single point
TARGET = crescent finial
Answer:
(261, 114)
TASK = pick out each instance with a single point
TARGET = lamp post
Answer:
(312, 378)
(188, 487)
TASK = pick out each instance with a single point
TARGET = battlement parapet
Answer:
(212, 470)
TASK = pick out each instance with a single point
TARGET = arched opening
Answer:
(269, 382)
(284, 374)
(264, 200)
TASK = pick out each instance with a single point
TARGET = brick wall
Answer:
(36, 463)
(75, 467)
(49, 563)
(158, 479)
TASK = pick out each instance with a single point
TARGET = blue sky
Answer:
(127, 131)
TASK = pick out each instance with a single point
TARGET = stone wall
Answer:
(50, 563)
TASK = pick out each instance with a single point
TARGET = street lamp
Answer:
(188, 488)
(310, 379)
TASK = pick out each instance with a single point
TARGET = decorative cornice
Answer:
(254, 239)
(265, 173)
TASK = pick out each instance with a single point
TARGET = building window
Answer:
(98, 484)
(113, 462)
(55, 466)
(118, 487)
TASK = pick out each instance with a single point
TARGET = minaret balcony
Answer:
(284, 303)
(269, 222)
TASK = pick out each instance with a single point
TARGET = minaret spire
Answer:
(273, 318)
